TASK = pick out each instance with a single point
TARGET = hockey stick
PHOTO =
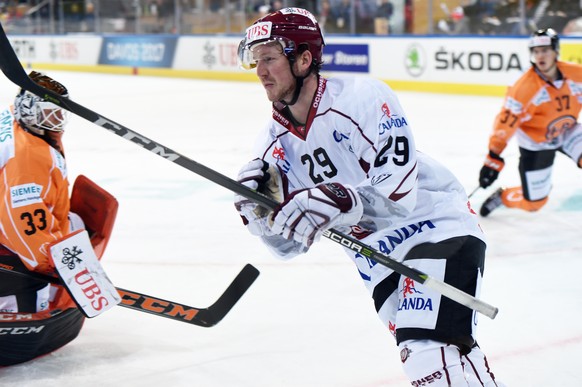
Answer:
(204, 317)
(473, 192)
(14, 71)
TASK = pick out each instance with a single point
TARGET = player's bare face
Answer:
(274, 72)
(545, 60)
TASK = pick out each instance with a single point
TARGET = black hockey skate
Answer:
(491, 203)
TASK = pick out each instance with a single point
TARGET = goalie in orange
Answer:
(35, 211)
(542, 110)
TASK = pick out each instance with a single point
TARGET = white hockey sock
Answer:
(477, 369)
(436, 364)
(431, 363)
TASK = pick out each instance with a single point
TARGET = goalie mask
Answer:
(37, 115)
(295, 29)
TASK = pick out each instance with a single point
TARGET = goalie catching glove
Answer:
(306, 213)
(266, 179)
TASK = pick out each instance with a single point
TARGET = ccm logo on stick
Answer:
(146, 303)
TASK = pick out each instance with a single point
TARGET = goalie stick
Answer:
(14, 71)
(203, 317)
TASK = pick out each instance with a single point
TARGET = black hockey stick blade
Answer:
(203, 317)
(14, 71)
(216, 312)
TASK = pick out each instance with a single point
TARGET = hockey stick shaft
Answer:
(12, 68)
(204, 317)
(474, 191)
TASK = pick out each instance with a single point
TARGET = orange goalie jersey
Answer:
(539, 111)
(34, 195)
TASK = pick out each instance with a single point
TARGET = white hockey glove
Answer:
(267, 179)
(306, 213)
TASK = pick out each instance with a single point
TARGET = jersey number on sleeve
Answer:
(34, 221)
(507, 116)
(401, 150)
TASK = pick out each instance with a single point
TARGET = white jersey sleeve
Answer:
(384, 141)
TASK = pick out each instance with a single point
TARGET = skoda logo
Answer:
(415, 60)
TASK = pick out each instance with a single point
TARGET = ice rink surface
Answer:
(308, 322)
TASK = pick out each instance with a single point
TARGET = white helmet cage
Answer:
(36, 114)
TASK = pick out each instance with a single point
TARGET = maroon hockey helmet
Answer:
(291, 28)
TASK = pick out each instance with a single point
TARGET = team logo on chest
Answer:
(278, 153)
(558, 126)
(338, 137)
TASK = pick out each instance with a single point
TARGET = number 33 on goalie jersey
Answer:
(34, 194)
(357, 134)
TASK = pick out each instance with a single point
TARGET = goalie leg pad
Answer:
(82, 274)
(20, 294)
(97, 208)
(26, 336)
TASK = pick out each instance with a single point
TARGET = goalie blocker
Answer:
(25, 336)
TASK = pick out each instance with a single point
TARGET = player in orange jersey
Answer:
(35, 211)
(32, 158)
(542, 110)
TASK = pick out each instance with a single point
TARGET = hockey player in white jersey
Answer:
(339, 153)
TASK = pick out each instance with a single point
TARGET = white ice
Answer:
(306, 322)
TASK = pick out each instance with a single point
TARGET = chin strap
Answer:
(298, 84)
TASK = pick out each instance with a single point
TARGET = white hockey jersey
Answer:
(358, 134)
